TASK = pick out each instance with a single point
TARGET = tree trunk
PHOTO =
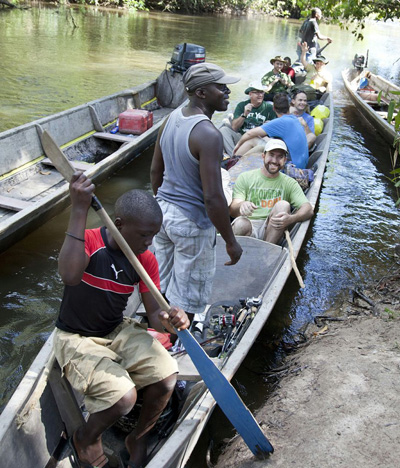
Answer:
(5, 2)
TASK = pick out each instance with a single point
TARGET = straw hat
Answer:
(278, 58)
(321, 58)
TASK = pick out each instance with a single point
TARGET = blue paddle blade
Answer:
(227, 398)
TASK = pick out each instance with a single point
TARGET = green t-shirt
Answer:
(279, 87)
(258, 115)
(265, 192)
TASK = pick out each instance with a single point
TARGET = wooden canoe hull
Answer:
(182, 442)
(31, 192)
(351, 79)
(33, 422)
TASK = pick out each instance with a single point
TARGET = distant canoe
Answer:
(44, 411)
(32, 191)
(366, 100)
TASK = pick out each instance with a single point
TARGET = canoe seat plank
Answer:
(187, 370)
(14, 204)
(66, 400)
(78, 165)
(112, 137)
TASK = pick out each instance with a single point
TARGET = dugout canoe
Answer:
(44, 411)
(366, 100)
(32, 191)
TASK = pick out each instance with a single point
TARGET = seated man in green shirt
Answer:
(262, 198)
(248, 114)
(276, 81)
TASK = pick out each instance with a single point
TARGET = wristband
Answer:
(244, 116)
(75, 237)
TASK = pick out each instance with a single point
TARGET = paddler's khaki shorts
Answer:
(105, 369)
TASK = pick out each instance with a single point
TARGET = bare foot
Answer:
(137, 448)
(91, 454)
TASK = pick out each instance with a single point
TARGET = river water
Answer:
(49, 65)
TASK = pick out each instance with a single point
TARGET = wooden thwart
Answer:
(14, 204)
(78, 165)
(187, 370)
(112, 137)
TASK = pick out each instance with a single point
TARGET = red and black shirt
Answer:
(95, 306)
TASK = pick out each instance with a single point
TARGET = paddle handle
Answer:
(322, 49)
(292, 259)
(63, 165)
(123, 245)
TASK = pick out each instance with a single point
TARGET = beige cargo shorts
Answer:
(105, 369)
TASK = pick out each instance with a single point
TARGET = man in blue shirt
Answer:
(286, 126)
(298, 106)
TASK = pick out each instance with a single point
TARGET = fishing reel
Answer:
(219, 323)
(226, 322)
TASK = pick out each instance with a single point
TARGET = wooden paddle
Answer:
(293, 260)
(221, 389)
(323, 48)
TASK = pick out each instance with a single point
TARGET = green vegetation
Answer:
(349, 14)
(391, 314)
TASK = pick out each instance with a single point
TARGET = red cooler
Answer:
(135, 121)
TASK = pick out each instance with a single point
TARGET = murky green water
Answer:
(47, 65)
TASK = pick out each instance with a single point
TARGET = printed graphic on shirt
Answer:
(265, 200)
(115, 271)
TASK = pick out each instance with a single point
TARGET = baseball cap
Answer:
(274, 143)
(205, 73)
(255, 86)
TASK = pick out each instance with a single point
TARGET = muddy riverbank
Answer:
(338, 400)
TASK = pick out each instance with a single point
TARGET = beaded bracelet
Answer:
(75, 237)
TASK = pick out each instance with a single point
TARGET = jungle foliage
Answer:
(349, 14)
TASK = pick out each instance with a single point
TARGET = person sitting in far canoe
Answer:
(298, 106)
(276, 81)
(286, 126)
(103, 354)
(288, 69)
(248, 114)
(318, 77)
(262, 198)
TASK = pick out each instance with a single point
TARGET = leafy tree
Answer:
(353, 13)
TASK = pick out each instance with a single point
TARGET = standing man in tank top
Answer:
(186, 179)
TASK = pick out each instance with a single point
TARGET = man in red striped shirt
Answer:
(103, 354)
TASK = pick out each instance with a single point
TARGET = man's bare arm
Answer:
(73, 260)
(157, 164)
(160, 320)
(253, 133)
(206, 145)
